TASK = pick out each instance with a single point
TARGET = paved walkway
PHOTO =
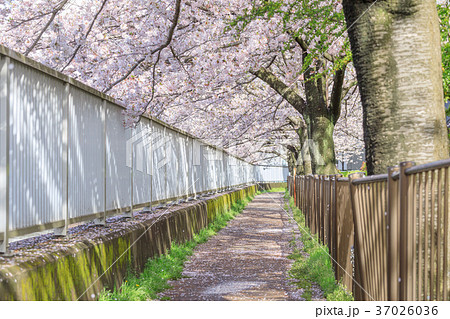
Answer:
(247, 260)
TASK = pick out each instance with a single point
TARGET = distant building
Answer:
(352, 163)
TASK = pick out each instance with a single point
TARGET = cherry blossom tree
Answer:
(318, 29)
(174, 60)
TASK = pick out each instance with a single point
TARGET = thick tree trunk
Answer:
(291, 163)
(321, 125)
(299, 159)
(323, 146)
(319, 114)
(396, 52)
(307, 161)
(304, 157)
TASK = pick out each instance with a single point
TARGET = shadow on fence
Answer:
(387, 234)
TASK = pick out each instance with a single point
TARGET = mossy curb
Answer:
(77, 271)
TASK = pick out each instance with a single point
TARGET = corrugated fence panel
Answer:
(118, 173)
(192, 183)
(141, 144)
(171, 165)
(226, 175)
(247, 173)
(86, 157)
(183, 178)
(235, 170)
(206, 168)
(217, 178)
(36, 165)
(158, 162)
(271, 173)
(4, 64)
(197, 166)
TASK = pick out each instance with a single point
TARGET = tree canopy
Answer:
(190, 63)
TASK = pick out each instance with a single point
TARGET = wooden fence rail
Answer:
(387, 234)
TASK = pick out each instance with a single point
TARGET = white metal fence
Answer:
(271, 173)
(65, 156)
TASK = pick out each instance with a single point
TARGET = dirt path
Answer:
(247, 260)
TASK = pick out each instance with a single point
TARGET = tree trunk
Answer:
(319, 118)
(396, 52)
(291, 162)
(323, 146)
(319, 114)
(304, 156)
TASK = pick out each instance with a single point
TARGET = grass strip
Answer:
(275, 190)
(312, 263)
(158, 271)
(347, 173)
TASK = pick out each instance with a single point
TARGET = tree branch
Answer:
(301, 43)
(304, 47)
(158, 49)
(347, 89)
(49, 22)
(85, 36)
(289, 94)
(336, 94)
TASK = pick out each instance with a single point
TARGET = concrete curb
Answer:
(67, 273)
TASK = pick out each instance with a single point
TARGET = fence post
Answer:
(130, 213)
(4, 152)
(305, 198)
(62, 231)
(289, 185)
(323, 210)
(407, 235)
(312, 200)
(320, 207)
(317, 204)
(295, 189)
(302, 201)
(333, 227)
(307, 202)
(328, 231)
(102, 220)
(392, 238)
(311, 203)
(359, 261)
(166, 189)
(150, 162)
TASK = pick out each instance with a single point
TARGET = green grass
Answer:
(312, 263)
(272, 190)
(158, 271)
